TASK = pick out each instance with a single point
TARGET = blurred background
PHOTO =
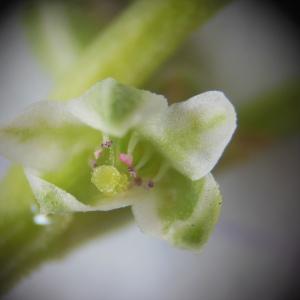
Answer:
(249, 50)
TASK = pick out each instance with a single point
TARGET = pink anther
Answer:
(106, 144)
(126, 159)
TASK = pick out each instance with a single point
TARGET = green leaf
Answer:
(193, 134)
(114, 108)
(45, 136)
(180, 211)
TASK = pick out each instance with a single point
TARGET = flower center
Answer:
(120, 164)
(109, 180)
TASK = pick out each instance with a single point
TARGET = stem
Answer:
(265, 120)
(136, 45)
(129, 50)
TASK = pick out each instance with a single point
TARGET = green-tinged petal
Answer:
(46, 135)
(53, 199)
(193, 134)
(179, 210)
(114, 108)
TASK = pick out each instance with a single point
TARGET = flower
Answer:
(117, 146)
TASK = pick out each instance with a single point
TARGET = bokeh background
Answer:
(247, 49)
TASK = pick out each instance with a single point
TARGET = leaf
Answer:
(114, 108)
(45, 136)
(193, 134)
(180, 211)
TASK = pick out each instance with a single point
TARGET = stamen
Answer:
(106, 141)
(145, 158)
(126, 159)
(161, 172)
(133, 141)
(150, 184)
(106, 144)
(132, 172)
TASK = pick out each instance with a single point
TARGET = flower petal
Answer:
(194, 133)
(181, 211)
(54, 199)
(51, 198)
(46, 135)
(115, 108)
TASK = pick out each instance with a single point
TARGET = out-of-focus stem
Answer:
(24, 244)
(265, 120)
(134, 46)
(129, 50)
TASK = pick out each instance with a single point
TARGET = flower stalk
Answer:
(136, 44)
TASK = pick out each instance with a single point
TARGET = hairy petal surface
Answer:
(193, 134)
(53, 199)
(45, 136)
(114, 108)
(180, 211)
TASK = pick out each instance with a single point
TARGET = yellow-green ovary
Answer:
(109, 180)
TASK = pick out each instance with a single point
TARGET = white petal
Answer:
(192, 135)
(53, 199)
(115, 108)
(45, 135)
(183, 215)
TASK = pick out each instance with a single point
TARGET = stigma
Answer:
(109, 180)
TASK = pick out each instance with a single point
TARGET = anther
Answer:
(145, 158)
(106, 144)
(150, 184)
(161, 172)
(133, 141)
(132, 172)
(126, 159)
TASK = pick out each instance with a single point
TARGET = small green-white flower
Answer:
(117, 146)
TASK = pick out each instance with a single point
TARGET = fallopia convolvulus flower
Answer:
(118, 146)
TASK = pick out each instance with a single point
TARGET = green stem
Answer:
(136, 45)
(265, 120)
(130, 50)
